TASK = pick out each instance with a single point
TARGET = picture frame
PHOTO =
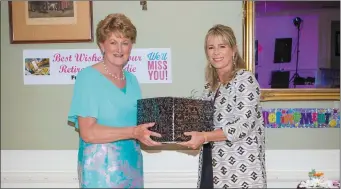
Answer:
(50, 21)
(278, 94)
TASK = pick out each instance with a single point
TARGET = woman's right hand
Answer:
(142, 134)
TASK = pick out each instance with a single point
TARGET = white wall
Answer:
(57, 168)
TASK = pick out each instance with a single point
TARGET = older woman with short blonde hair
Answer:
(103, 108)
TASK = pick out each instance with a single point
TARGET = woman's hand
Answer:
(142, 134)
(197, 139)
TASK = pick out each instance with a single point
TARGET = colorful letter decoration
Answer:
(301, 118)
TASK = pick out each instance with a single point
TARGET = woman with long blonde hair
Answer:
(233, 155)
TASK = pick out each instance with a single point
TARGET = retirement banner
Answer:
(61, 66)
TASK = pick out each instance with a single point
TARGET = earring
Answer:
(234, 60)
(103, 53)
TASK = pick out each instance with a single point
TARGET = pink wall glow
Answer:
(268, 28)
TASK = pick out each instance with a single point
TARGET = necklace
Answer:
(112, 75)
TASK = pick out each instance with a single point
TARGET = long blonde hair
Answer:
(227, 34)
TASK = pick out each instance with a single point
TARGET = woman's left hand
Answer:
(197, 139)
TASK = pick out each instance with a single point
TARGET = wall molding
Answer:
(285, 168)
(150, 177)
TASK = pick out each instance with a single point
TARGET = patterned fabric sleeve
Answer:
(246, 112)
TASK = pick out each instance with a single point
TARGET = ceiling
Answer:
(275, 6)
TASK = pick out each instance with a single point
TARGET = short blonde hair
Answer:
(227, 34)
(115, 23)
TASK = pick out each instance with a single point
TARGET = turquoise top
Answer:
(116, 164)
(123, 89)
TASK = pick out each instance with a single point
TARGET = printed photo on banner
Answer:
(61, 66)
(37, 66)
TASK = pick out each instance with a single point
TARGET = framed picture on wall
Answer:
(337, 43)
(50, 21)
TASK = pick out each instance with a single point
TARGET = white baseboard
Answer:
(171, 169)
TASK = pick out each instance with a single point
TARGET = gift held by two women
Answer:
(113, 120)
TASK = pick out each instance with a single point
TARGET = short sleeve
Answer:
(84, 102)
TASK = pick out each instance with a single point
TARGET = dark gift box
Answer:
(173, 116)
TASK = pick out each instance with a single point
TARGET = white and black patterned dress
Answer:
(238, 162)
